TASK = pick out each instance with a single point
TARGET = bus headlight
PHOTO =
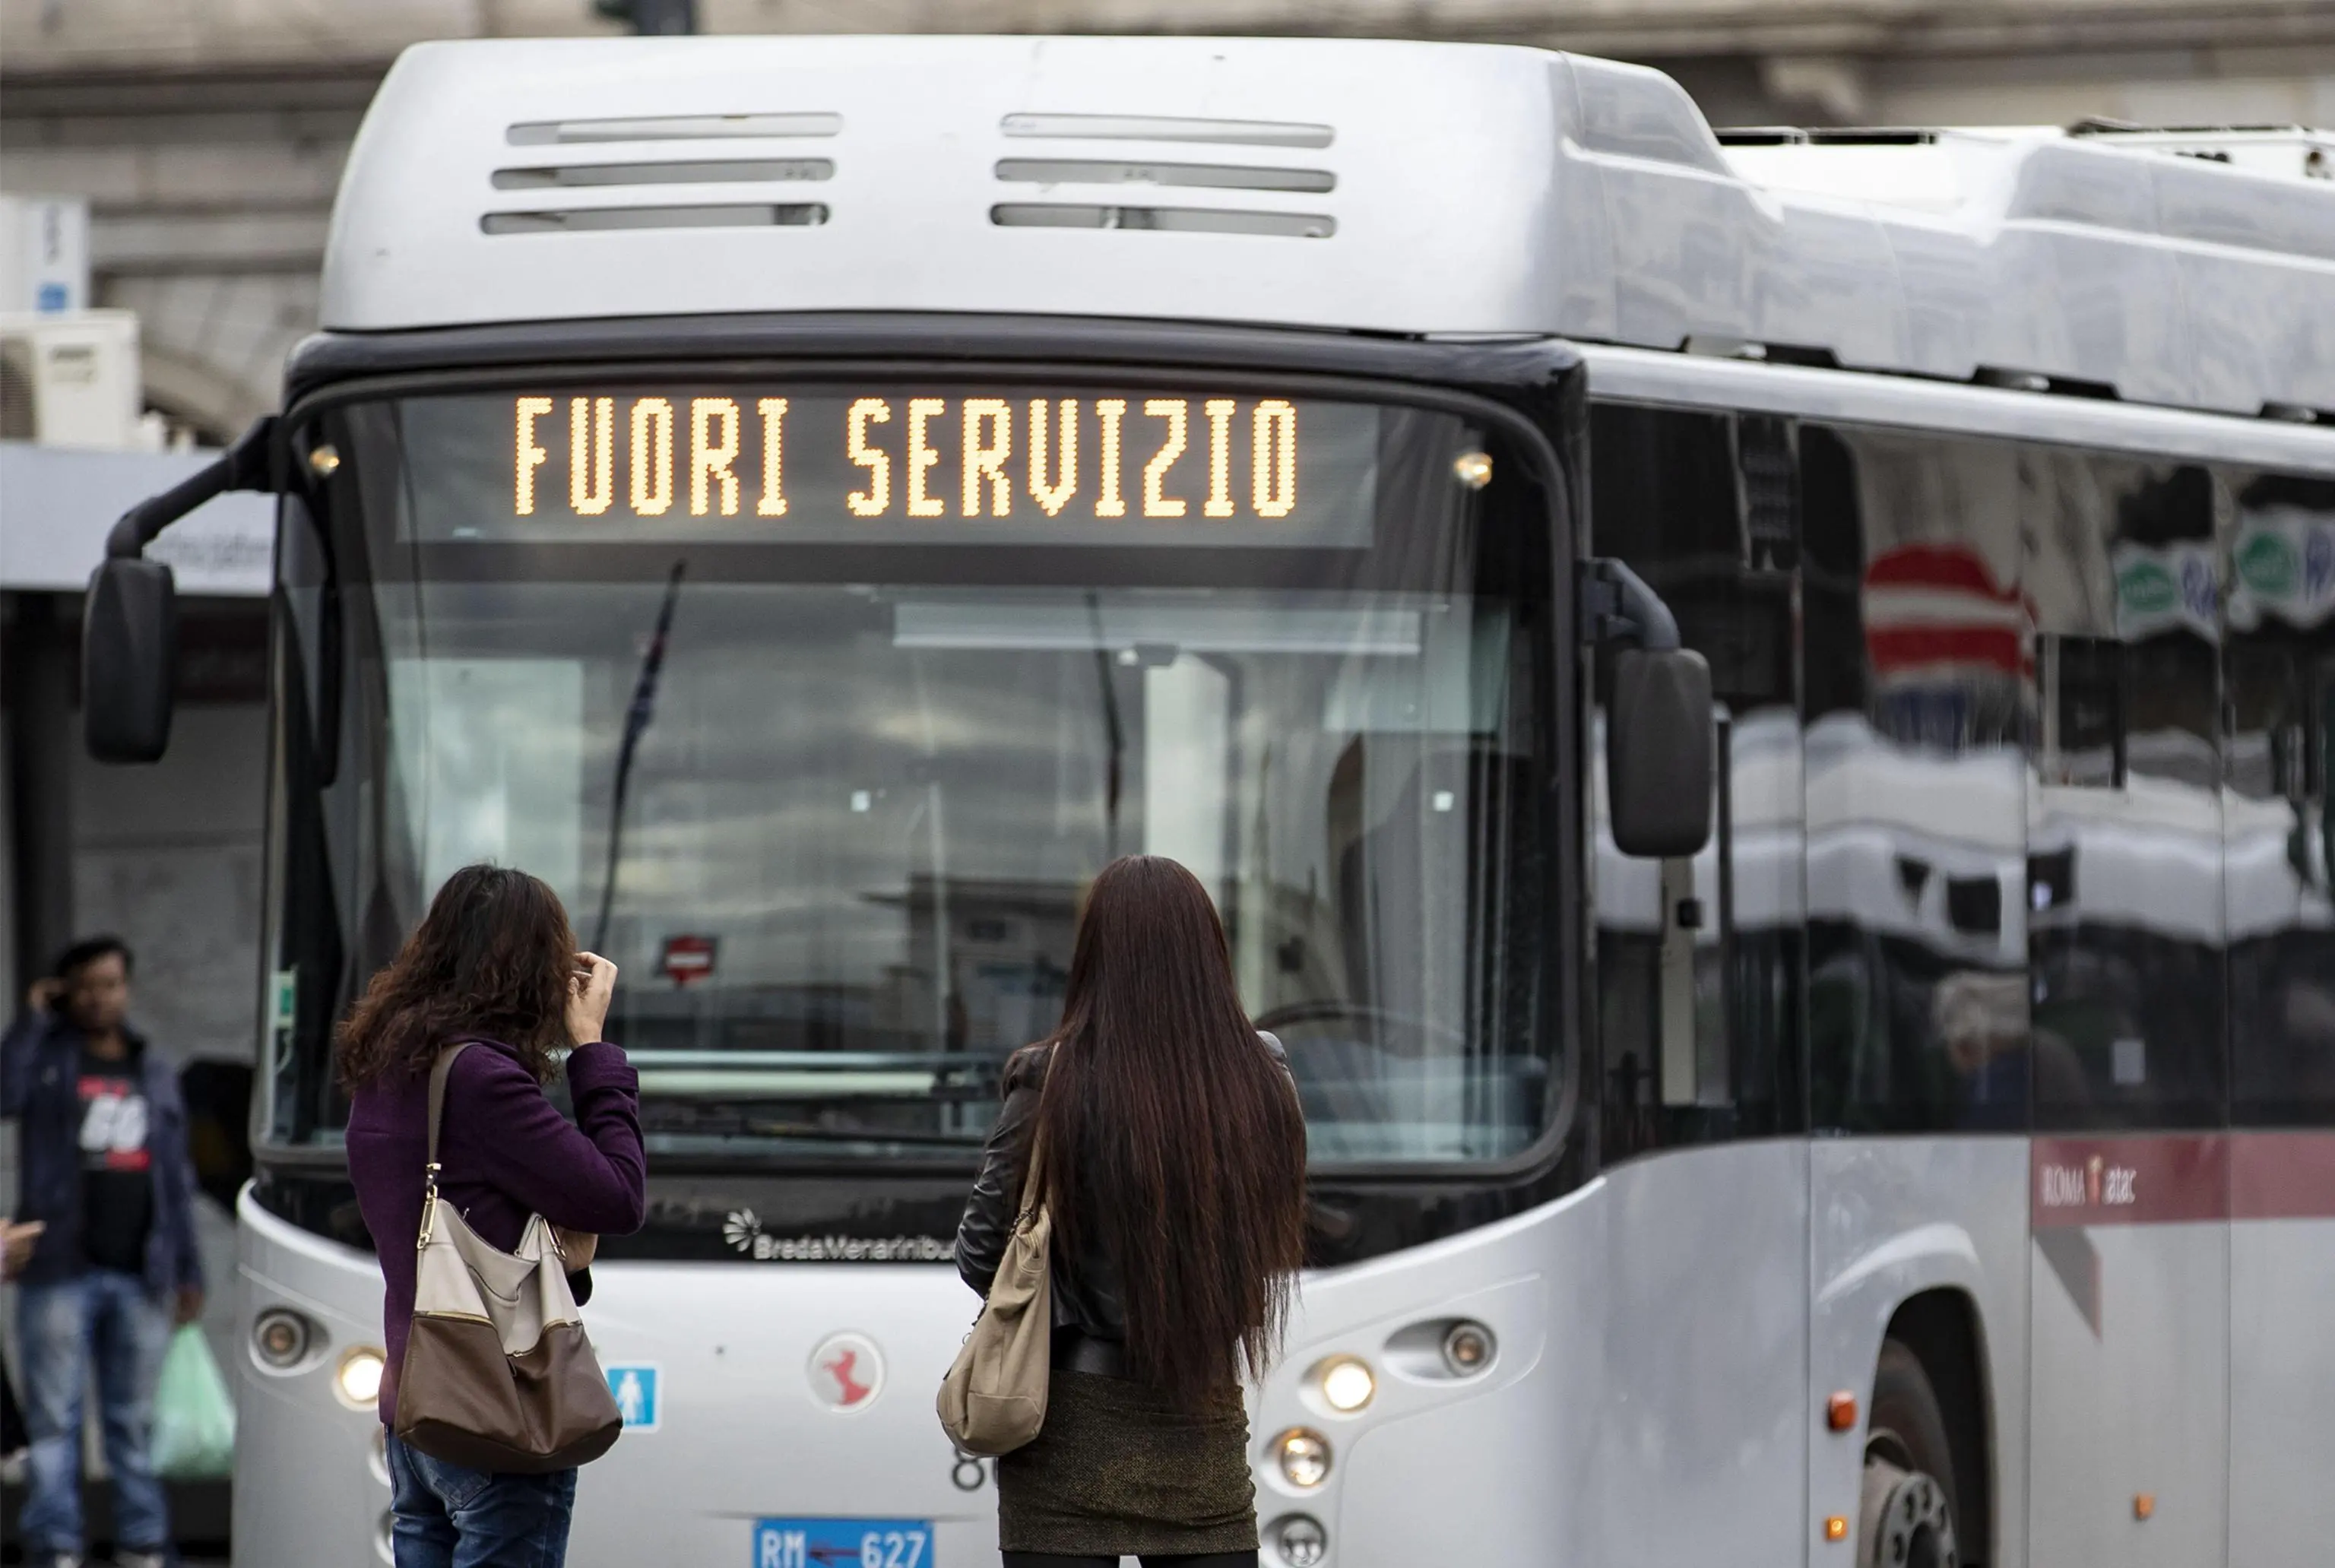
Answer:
(1299, 1542)
(1304, 1458)
(280, 1338)
(358, 1382)
(1347, 1384)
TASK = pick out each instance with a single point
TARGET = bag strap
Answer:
(1033, 1179)
(440, 1072)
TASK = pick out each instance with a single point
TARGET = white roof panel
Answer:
(1355, 184)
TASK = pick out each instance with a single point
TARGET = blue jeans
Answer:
(452, 1516)
(107, 1319)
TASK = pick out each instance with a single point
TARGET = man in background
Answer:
(106, 1179)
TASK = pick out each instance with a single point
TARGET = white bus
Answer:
(816, 501)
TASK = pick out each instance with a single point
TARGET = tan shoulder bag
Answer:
(993, 1400)
(499, 1375)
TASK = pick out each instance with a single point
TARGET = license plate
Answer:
(843, 1544)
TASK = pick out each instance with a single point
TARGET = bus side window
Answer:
(2126, 931)
(2278, 533)
(1700, 960)
(1914, 704)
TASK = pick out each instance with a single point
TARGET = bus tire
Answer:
(1907, 1512)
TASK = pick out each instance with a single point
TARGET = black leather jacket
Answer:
(1086, 1288)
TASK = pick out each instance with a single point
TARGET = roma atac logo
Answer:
(2095, 1184)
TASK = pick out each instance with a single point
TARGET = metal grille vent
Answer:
(1165, 174)
(1164, 219)
(701, 215)
(1166, 128)
(701, 171)
(616, 176)
(672, 128)
(1121, 171)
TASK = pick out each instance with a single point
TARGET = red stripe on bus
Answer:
(2173, 1179)
(2283, 1176)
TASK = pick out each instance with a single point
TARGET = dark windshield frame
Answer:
(1522, 390)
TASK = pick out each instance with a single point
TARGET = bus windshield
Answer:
(820, 704)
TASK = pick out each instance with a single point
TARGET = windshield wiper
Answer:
(636, 722)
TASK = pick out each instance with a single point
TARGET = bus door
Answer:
(2129, 1317)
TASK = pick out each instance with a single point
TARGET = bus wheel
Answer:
(1906, 1505)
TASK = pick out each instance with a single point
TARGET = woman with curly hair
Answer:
(493, 964)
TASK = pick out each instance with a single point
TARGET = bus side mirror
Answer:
(130, 621)
(1659, 754)
(129, 642)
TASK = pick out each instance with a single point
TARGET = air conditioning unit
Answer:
(70, 380)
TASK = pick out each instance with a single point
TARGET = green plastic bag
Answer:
(194, 1417)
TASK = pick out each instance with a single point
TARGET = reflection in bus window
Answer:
(2279, 533)
(2126, 950)
(1916, 621)
(1698, 960)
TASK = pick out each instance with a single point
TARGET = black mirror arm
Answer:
(1616, 606)
(245, 466)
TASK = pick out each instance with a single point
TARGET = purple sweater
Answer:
(506, 1152)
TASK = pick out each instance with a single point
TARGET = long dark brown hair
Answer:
(1174, 1142)
(494, 959)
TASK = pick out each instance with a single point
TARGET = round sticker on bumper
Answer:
(846, 1372)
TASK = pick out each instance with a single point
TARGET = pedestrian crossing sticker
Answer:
(636, 1387)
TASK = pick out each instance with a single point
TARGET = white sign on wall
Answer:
(43, 254)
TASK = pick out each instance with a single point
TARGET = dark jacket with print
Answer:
(40, 1090)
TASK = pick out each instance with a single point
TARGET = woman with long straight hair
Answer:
(494, 964)
(1174, 1169)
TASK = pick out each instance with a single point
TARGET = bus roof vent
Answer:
(1099, 209)
(694, 171)
(1165, 128)
(672, 128)
(616, 176)
(1129, 171)
(1166, 219)
(699, 215)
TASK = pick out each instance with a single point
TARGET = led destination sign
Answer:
(1084, 466)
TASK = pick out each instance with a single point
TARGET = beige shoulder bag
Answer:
(993, 1400)
(497, 1375)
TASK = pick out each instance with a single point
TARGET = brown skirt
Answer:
(1119, 1471)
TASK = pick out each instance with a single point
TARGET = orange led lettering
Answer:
(530, 456)
(986, 458)
(1054, 497)
(1110, 503)
(1275, 458)
(710, 457)
(1220, 458)
(923, 455)
(591, 455)
(652, 457)
(773, 503)
(877, 498)
(1155, 502)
